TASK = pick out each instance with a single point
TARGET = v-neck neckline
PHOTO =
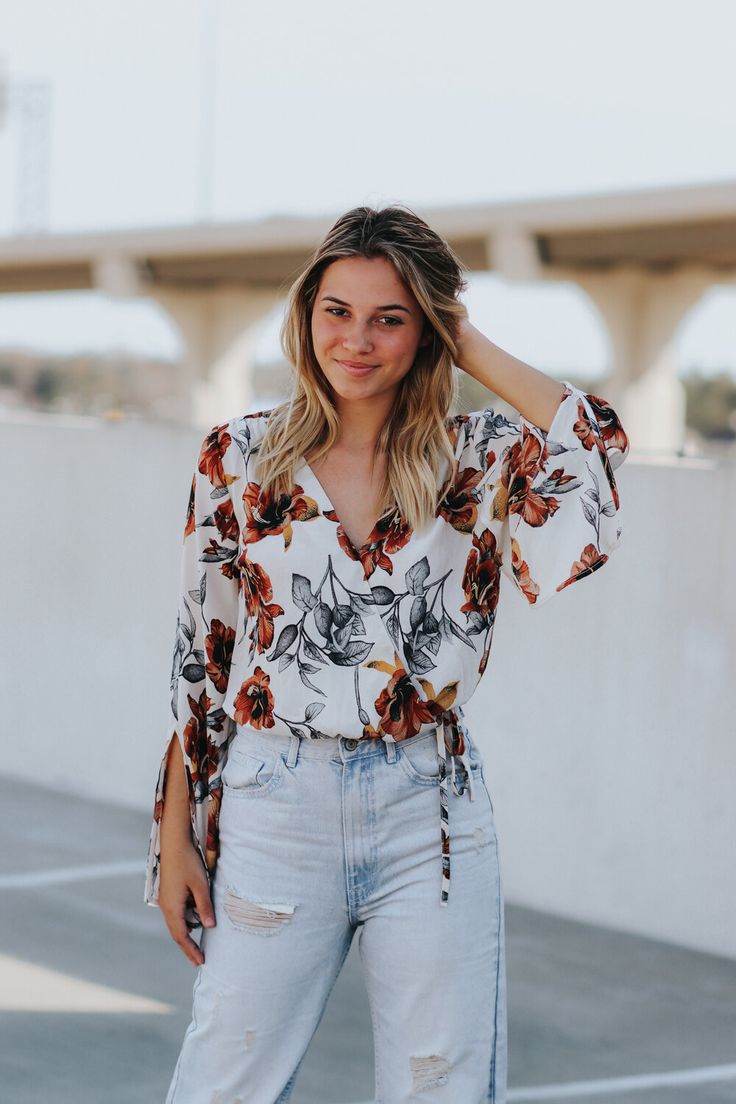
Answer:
(326, 504)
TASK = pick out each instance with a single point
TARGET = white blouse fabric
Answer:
(284, 626)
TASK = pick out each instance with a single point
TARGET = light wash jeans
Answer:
(318, 838)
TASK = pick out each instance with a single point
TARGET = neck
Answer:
(361, 421)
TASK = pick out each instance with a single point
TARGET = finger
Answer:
(180, 935)
(192, 951)
(175, 916)
(203, 902)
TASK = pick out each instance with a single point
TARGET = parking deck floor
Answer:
(95, 997)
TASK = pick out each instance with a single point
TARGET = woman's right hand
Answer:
(183, 880)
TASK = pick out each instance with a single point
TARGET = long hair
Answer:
(415, 437)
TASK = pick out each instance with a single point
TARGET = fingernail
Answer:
(209, 922)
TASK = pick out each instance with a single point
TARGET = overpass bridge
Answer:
(643, 257)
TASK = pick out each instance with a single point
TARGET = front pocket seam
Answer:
(255, 790)
(413, 774)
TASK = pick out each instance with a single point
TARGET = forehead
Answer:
(369, 281)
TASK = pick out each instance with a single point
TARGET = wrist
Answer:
(471, 346)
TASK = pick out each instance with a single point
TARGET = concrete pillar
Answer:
(643, 312)
(220, 328)
(512, 253)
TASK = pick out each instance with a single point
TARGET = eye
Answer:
(390, 318)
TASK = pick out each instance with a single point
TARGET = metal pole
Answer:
(209, 21)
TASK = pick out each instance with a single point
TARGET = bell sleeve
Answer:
(202, 654)
(553, 491)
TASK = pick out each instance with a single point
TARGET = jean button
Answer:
(351, 745)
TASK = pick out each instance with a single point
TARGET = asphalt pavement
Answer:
(95, 997)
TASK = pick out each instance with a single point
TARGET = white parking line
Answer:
(569, 1089)
(698, 1076)
(35, 878)
(30, 987)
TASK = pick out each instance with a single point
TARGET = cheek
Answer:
(323, 335)
(407, 346)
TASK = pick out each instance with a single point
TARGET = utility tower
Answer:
(25, 114)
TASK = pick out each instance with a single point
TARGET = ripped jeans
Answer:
(320, 838)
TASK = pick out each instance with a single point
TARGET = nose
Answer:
(358, 338)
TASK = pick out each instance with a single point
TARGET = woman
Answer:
(340, 579)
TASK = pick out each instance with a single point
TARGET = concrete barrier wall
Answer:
(606, 718)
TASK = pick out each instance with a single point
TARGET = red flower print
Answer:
(258, 592)
(481, 578)
(266, 515)
(212, 848)
(402, 712)
(612, 431)
(254, 703)
(190, 523)
(611, 435)
(388, 535)
(195, 730)
(211, 455)
(523, 462)
(199, 746)
(219, 644)
(225, 520)
(458, 505)
(520, 569)
(590, 560)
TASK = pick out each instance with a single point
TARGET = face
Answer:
(367, 327)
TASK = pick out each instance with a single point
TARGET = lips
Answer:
(356, 369)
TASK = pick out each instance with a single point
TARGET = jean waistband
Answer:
(336, 748)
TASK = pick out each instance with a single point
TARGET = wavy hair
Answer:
(414, 437)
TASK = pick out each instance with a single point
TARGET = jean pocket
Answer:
(418, 760)
(247, 775)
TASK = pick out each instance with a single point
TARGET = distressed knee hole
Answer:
(426, 1072)
(253, 917)
(248, 1039)
(481, 839)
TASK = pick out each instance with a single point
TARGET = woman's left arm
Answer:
(554, 502)
(535, 395)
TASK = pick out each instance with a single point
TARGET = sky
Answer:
(173, 111)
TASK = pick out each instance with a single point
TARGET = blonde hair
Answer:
(415, 437)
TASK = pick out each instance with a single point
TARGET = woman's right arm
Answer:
(183, 843)
(183, 877)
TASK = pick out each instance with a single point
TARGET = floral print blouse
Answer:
(286, 627)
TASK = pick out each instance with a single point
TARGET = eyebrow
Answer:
(388, 306)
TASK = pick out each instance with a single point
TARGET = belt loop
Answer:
(294, 746)
(390, 747)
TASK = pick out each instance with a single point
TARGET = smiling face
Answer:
(367, 327)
